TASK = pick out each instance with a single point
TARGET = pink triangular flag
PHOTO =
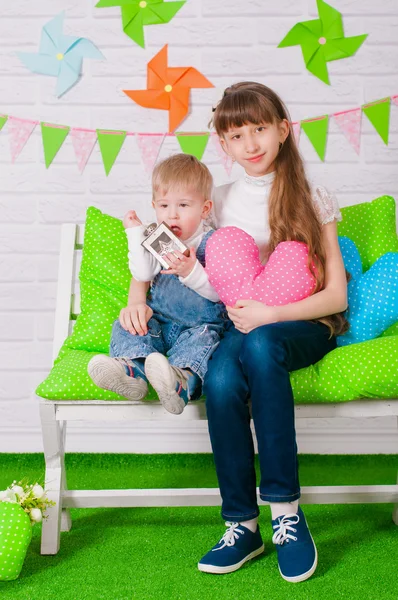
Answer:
(226, 160)
(296, 132)
(149, 146)
(83, 142)
(19, 131)
(395, 99)
(350, 124)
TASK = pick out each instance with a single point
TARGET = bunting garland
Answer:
(149, 144)
(53, 138)
(3, 120)
(225, 159)
(317, 133)
(378, 114)
(19, 131)
(110, 143)
(350, 124)
(83, 142)
(296, 127)
(191, 143)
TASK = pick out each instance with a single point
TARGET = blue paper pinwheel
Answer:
(60, 55)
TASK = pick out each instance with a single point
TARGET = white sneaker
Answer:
(169, 382)
(110, 374)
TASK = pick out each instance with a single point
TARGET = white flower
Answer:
(17, 489)
(38, 491)
(35, 515)
(8, 496)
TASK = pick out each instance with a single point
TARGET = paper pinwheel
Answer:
(168, 88)
(60, 55)
(136, 14)
(322, 40)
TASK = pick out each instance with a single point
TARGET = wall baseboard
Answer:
(314, 436)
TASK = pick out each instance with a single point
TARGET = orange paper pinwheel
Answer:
(168, 88)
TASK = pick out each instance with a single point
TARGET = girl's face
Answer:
(255, 147)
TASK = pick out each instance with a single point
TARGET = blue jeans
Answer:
(257, 366)
(187, 348)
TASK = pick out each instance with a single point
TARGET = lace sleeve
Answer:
(326, 205)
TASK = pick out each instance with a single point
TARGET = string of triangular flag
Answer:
(149, 144)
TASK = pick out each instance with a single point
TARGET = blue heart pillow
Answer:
(372, 296)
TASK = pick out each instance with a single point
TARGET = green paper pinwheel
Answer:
(137, 13)
(322, 40)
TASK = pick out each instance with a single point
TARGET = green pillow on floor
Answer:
(104, 281)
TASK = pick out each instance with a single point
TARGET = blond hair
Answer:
(182, 170)
(249, 102)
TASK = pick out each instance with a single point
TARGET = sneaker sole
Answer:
(231, 568)
(306, 575)
(162, 379)
(110, 375)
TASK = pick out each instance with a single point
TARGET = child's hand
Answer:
(180, 264)
(134, 318)
(131, 219)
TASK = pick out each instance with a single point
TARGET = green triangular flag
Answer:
(317, 133)
(193, 144)
(110, 143)
(379, 115)
(3, 120)
(53, 138)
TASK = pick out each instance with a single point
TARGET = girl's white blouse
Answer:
(244, 203)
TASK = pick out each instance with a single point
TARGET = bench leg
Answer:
(395, 510)
(55, 481)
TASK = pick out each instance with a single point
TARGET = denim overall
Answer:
(185, 327)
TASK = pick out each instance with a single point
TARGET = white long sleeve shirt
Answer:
(144, 266)
(244, 203)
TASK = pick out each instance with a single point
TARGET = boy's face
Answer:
(181, 209)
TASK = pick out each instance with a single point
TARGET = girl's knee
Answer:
(262, 342)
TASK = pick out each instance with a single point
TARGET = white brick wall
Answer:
(227, 40)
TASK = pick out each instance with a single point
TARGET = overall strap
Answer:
(200, 252)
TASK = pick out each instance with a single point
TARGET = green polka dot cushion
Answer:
(104, 282)
(15, 537)
(372, 226)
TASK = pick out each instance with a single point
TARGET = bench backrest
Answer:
(68, 289)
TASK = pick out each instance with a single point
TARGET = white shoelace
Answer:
(282, 534)
(230, 535)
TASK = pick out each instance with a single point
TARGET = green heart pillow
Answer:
(372, 226)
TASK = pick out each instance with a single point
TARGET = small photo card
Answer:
(161, 240)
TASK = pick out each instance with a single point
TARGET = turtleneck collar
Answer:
(262, 181)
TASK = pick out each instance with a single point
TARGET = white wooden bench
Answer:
(56, 414)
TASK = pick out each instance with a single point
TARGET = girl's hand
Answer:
(250, 314)
(131, 219)
(180, 264)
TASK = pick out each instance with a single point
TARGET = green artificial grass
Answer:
(151, 553)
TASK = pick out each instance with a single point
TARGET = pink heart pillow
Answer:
(236, 273)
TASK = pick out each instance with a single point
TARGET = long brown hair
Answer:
(292, 214)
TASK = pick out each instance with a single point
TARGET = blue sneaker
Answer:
(297, 555)
(237, 546)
